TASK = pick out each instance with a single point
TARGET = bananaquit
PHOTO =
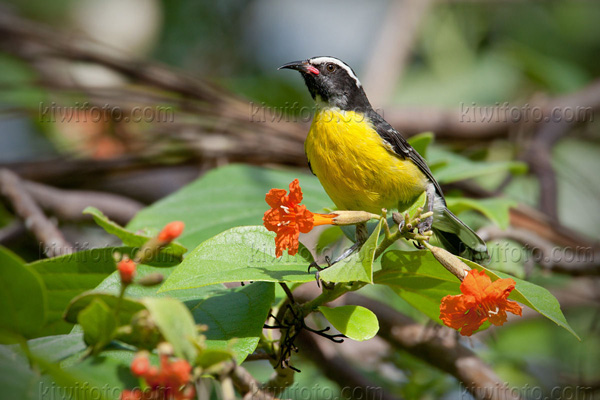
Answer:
(364, 164)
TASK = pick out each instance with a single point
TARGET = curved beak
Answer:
(302, 66)
(297, 65)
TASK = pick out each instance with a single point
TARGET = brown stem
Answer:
(50, 237)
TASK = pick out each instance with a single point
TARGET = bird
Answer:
(363, 163)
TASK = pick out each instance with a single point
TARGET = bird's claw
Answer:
(425, 225)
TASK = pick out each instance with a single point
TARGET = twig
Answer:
(35, 221)
(248, 386)
(68, 205)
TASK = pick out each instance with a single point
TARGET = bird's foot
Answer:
(425, 224)
(319, 269)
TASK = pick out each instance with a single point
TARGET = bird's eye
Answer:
(330, 67)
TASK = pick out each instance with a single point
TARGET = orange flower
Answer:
(481, 299)
(171, 381)
(288, 218)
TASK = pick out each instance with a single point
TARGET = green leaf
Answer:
(224, 198)
(421, 142)
(98, 323)
(458, 168)
(359, 266)
(235, 317)
(70, 275)
(531, 295)
(176, 324)
(210, 357)
(108, 372)
(497, 209)
(418, 278)
(58, 347)
(20, 381)
(22, 297)
(356, 322)
(129, 238)
(127, 307)
(245, 253)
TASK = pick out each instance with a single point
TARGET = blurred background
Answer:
(117, 103)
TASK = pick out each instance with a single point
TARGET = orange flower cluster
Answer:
(169, 382)
(481, 300)
(287, 218)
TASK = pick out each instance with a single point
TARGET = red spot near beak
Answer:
(312, 69)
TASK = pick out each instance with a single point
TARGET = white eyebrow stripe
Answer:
(339, 63)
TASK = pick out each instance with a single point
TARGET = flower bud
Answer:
(171, 231)
(152, 279)
(450, 261)
(352, 217)
(126, 269)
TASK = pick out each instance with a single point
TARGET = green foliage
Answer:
(359, 266)
(23, 299)
(496, 209)
(418, 278)
(68, 276)
(356, 322)
(245, 253)
(176, 325)
(129, 238)
(86, 287)
(98, 323)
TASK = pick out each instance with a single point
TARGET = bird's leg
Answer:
(425, 225)
(362, 234)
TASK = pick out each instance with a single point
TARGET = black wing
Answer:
(401, 147)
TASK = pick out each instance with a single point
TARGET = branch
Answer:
(53, 241)
(248, 386)
(68, 205)
(577, 261)
(464, 123)
(335, 367)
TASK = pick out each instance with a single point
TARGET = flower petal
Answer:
(274, 197)
(475, 284)
(304, 219)
(287, 238)
(460, 313)
(500, 289)
(295, 192)
(271, 218)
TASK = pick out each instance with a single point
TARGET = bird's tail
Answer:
(457, 237)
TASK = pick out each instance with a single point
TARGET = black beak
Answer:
(297, 65)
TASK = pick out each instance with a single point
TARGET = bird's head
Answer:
(332, 83)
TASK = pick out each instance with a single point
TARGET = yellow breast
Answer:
(357, 169)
